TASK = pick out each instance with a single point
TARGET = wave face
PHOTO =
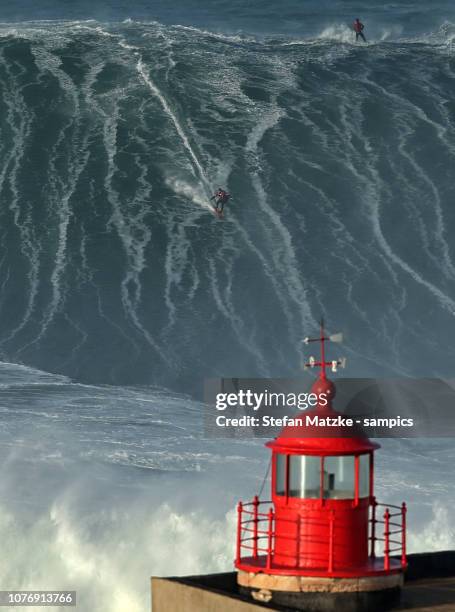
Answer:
(112, 267)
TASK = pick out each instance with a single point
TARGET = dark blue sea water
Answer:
(116, 125)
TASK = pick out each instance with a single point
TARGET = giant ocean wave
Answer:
(114, 270)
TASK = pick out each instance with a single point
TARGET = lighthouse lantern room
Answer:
(323, 540)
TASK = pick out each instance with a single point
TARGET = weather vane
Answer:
(322, 363)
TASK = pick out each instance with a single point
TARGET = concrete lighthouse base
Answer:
(429, 587)
(320, 594)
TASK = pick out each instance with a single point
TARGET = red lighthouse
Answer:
(323, 541)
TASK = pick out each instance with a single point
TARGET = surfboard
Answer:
(218, 213)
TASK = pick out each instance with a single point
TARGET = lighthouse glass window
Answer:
(339, 477)
(304, 476)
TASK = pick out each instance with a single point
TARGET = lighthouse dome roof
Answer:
(323, 430)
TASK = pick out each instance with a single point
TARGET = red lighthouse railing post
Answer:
(255, 526)
(239, 532)
(387, 540)
(269, 539)
(373, 528)
(356, 479)
(331, 530)
(403, 534)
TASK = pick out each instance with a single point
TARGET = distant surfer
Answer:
(221, 197)
(358, 29)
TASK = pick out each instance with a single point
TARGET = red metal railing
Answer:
(261, 540)
(395, 545)
(256, 533)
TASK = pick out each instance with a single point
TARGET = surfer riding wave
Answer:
(221, 197)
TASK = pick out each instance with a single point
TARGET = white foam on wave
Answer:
(339, 32)
(283, 252)
(62, 188)
(20, 120)
(14, 373)
(109, 556)
(233, 38)
(192, 193)
(438, 534)
(443, 36)
(173, 117)
(345, 34)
